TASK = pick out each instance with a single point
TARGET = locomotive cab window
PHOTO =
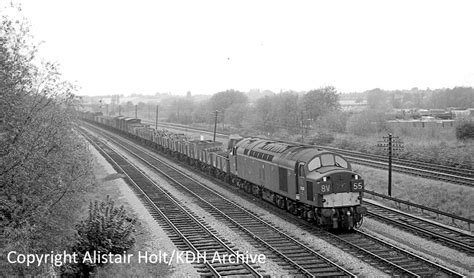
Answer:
(327, 160)
(341, 162)
(314, 164)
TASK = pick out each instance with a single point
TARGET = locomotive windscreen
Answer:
(327, 160)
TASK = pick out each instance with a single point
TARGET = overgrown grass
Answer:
(447, 197)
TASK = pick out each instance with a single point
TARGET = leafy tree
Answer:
(318, 102)
(378, 99)
(201, 112)
(129, 108)
(288, 113)
(44, 166)
(455, 97)
(179, 109)
(235, 114)
(264, 111)
(367, 122)
(223, 100)
(465, 131)
(335, 121)
(461, 97)
(108, 229)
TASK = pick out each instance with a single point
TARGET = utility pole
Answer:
(177, 106)
(136, 111)
(156, 120)
(302, 127)
(120, 114)
(215, 125)
(391, 144)
(390, 153)
(107, 107)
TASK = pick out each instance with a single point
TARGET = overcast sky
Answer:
(209, 46)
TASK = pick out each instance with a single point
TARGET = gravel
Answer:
(156, 238)
(433, 251)
(270, 267)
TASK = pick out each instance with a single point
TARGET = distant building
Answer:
(352, 105)
(463, 114)
(426, 121)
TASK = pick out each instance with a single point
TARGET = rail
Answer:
(398, 202)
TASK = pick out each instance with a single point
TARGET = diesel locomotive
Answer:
(315, 184)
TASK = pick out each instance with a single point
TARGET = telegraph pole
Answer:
(302, 127)
(177, 108)
(390, 137)
(120, 111)
(136, 111)
(156, 120)
(391, 144)
(215, 125)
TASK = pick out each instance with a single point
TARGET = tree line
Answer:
(457, 97)
(45, 167)
(286, 110)
(297, 111)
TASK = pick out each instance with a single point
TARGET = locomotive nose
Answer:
(345, 182)
(341, 182)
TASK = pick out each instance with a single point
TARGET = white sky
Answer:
(208, 46)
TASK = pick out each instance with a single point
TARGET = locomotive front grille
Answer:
(341, 182)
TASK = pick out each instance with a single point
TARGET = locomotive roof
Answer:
(132, 119)
(105, 117)
(282, 153)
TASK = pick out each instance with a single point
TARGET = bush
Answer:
(321, 138)
(465, 131)
(107, 230)
(367, 123)
(334, 121)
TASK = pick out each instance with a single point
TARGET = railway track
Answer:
(461, 241)
(463, 177)
(389, 258)
(421, 169)
(298, 258)
(188, 230)
(393, 257)
(461, 172)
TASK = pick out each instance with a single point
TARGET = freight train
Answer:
(315, 184)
